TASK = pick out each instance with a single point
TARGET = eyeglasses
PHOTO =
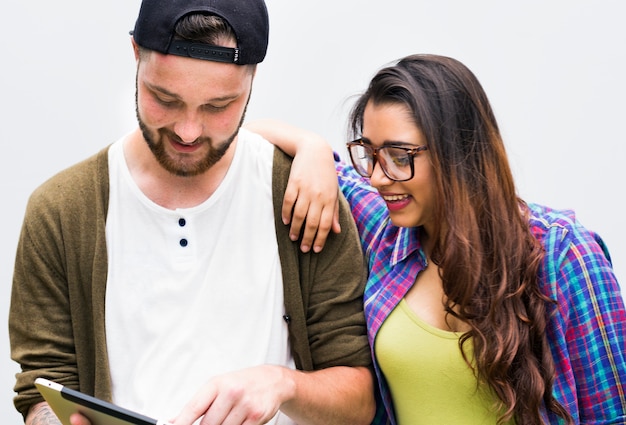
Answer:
(395, 161)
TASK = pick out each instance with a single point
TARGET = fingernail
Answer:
(305, 248)
(293, 237)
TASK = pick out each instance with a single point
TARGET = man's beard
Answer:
(178, 166)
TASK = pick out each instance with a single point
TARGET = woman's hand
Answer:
(310, 204)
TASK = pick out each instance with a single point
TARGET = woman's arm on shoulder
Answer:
(310, 200)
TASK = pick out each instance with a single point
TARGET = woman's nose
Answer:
(378, 177)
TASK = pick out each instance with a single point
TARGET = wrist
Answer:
(313, 144)
(288, 386)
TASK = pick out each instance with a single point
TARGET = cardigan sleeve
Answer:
(323, 291)
(61, 253)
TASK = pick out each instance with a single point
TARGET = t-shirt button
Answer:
(182, 222)
(183, 242)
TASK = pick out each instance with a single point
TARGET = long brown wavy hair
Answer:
(487, 256)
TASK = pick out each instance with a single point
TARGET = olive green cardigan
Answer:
(57, 314)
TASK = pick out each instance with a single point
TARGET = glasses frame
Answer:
(411, 153)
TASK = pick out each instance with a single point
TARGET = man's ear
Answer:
(135, 49)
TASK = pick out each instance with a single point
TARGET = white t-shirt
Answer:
(195, 292)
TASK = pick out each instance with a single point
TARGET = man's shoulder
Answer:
(282, 163)
(75, 182)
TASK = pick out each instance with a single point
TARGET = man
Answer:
(158, 273)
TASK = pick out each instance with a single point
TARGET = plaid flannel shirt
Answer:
(586, 329)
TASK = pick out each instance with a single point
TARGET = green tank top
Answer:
(430, 382)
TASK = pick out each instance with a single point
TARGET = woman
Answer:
(481, 308)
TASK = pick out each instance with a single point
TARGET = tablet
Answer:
(66, 401)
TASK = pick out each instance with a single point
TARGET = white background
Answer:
(554, 71)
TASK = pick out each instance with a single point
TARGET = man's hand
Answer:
(42, 414)
(253, 396)
(249, 396)
(78, 419)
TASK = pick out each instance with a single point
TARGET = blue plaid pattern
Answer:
(586, 328)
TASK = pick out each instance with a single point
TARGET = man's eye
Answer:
(165, 102)
(216, 108)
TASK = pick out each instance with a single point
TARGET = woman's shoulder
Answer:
(568, 245)
(545, 217)
(554, 226)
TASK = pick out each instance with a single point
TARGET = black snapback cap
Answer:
(157, 19)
